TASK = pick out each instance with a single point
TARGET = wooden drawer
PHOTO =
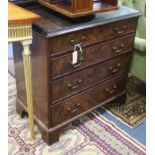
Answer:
(83, 102)
(66, 42)
(92, 55)
(78, 81)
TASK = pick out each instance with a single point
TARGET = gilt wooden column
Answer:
(20, 29)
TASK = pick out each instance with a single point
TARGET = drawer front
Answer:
(78, 81)
(92, 55)
(80, 103)
(63, 43)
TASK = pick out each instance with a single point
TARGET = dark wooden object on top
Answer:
(62, 92)
(79, 8)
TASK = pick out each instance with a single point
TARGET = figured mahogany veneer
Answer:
(63, 92)
(87, 100)
(61, 66)
(86, 37)
(72, 84)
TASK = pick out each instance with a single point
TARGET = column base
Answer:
(48, 135)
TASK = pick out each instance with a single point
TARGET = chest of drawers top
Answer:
(53, 24)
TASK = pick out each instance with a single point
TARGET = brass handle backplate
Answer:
(74, 42)
(115, 69)
(115, 49)
(75, 84)
(75, 108)
(112, 90)
(120, 29)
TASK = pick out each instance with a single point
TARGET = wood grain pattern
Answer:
(64, 43)
(81, 6)
(62, 65)
(80, 103)
(72, 84)
(18, 15)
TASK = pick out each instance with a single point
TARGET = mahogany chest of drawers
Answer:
(63, 91)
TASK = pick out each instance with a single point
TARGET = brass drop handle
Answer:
(111, 91)
(115, 69)
(76, 65)
(74, 42)
(124, 26)
(120, 31)
(74, 85)
(75, 108)
(118, 50)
